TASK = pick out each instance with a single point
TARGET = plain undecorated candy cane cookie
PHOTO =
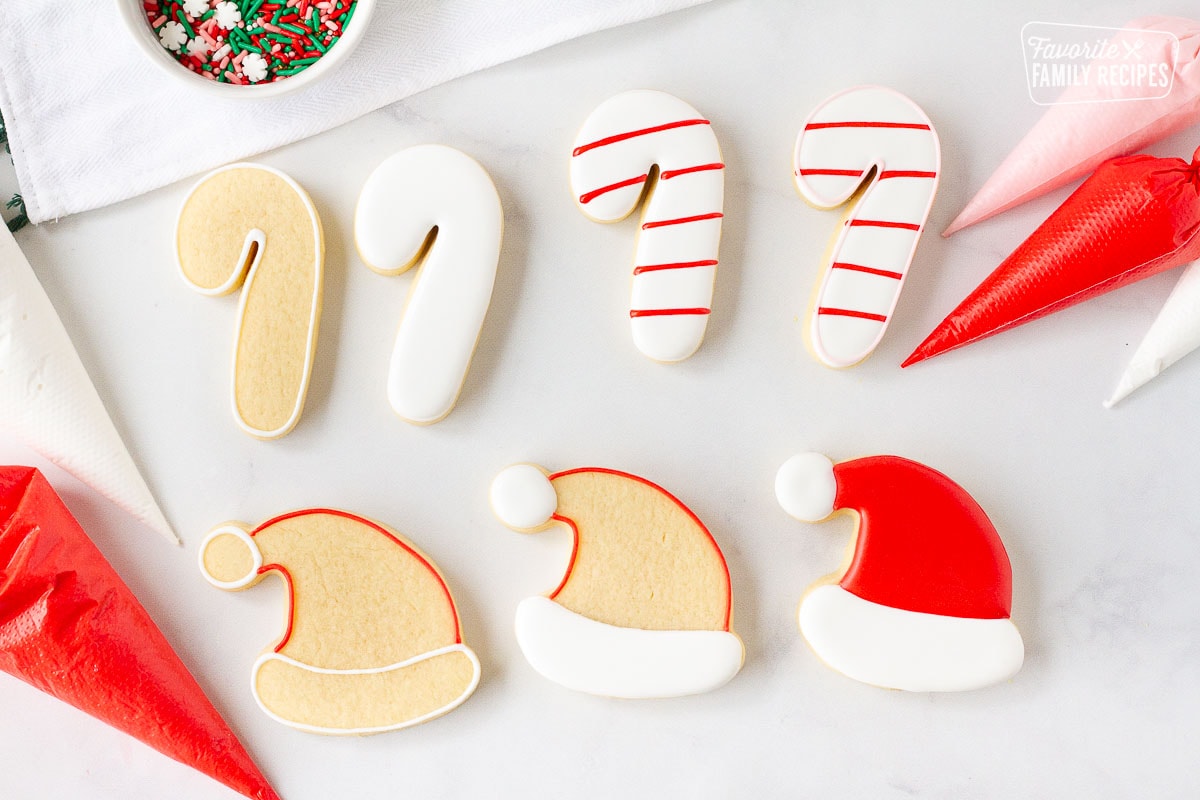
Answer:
(652, 148)
(874, 148)
(923, 599)
(435, 205)
(373, 641)
(644, 608)
(251, 224)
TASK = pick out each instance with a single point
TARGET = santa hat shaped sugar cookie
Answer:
(373, 641)
(923, 601)
(644, 609)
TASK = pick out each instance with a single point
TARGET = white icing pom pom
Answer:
(523, 497)
(229, 558)
(805, 487)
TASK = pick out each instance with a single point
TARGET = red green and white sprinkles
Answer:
(248, 41)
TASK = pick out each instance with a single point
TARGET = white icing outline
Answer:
(909, 650)
(590, 656)
(423, 188)
(246, 278)
(867, 284)
(663, 338)
(273, 656)
(255, 555)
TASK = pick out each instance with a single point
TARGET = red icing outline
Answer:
(575, 531)
(620, 137)
(375, 526)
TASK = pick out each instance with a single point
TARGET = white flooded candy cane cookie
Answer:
(652, 148)
(251, 225)
(644, 608)
(877, 144)
(923, 600)
(436, 206)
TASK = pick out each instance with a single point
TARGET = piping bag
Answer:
(1134, 217)
(71, 627)
(1174, 333)
(1089, 125)
(50, 403)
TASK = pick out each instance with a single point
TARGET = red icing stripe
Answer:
(671, 173)
(667, 312)
(612, 187)
(887, 173)
(852, 173)
(675, 265)
(620, 137)
(680, 220)
(847, 312)
(885, 273)
(905, 173)
(883, 223)
(816, 126)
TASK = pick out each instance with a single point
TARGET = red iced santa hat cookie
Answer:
(644, 609)
(924, 601)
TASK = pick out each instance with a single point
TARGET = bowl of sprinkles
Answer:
(247, 48)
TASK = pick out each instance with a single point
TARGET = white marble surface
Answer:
(1099, 509)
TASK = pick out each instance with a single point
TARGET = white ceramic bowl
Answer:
(133, 16)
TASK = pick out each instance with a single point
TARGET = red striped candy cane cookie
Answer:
(648, 144)
(878, 137)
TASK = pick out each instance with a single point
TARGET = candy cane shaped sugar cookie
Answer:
(251, 224)
(436, 205)
(647, 145)
(878, 137)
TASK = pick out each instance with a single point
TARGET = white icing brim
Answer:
(908, 650)
(406, 723)
(589, 656)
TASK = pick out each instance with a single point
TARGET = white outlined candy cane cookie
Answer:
(876, 136)
(251, 225)
(435, 205)
(652, 148)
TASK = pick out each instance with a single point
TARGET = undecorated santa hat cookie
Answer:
(923, 602)
(373, 641)
(644, 609)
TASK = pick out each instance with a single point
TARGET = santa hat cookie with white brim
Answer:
(924, 600)
(644, 609)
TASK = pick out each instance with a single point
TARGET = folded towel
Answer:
(92, 122)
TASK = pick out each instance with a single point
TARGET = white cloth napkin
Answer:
(92, 122)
